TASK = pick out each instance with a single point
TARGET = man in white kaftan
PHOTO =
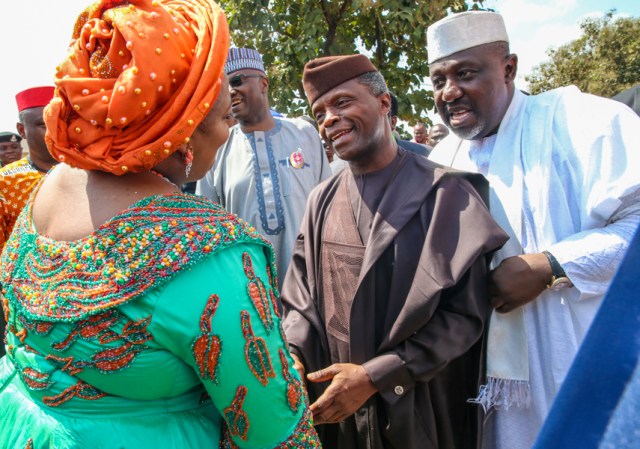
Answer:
(268, 166)
(563, 170)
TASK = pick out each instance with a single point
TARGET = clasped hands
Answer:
(518, 280)
(350, 387)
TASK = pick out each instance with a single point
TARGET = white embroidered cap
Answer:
(464, 30)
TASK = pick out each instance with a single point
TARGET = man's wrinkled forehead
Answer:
(330, 96)
(474, 55)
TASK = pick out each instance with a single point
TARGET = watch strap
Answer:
(557, 272)
(556, 268)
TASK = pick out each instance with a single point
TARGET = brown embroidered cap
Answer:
(323, 74)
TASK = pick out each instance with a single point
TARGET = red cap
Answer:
(34, 97)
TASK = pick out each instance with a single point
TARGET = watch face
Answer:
(560, 283)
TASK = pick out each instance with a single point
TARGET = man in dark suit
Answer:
(417, 148)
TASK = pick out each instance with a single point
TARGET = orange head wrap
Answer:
(139, 77)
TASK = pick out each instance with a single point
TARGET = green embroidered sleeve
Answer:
(221, 318)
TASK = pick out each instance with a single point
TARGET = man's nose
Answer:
(329, 119)
(451, 91)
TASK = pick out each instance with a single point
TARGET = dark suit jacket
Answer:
(422, 150)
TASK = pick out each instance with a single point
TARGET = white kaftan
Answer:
(571, 188)
(255, 178)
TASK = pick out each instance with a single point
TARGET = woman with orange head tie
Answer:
(140, 317)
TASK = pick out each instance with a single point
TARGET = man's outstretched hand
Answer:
(350, 387)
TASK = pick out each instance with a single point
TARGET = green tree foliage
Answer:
(605, 60)
(288, 33)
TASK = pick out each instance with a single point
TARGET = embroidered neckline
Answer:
(274, 175)
(140, 248)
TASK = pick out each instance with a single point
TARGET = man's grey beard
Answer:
(470, 134)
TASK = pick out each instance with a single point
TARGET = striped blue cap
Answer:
(243, 58)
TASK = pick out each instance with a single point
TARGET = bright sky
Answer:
(35, 34)
(536, 25)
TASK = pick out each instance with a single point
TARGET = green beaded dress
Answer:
(159, 330)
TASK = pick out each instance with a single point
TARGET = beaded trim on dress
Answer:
(143, 247)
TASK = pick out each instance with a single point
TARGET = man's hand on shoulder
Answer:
(518, 280)
(350, 387)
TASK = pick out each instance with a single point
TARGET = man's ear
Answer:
(510, 68)
(385, 101)
(264, 83)
(20, 128)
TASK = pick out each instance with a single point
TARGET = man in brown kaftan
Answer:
(385, 299)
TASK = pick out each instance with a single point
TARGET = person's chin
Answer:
(346, 155)
(346, 152)
(238, 111)
(473, 132)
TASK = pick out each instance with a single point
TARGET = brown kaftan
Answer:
(412, 302)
